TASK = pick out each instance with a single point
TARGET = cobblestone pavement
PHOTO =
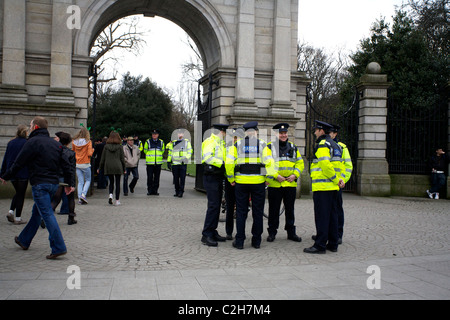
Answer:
(160, 235)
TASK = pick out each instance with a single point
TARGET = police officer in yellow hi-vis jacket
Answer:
(283, 185)
(179, 156)
(213, 160)
(347, 161)
(248, 162)
(327, 176)
(154, 151)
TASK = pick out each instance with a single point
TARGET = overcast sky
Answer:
(328, 24)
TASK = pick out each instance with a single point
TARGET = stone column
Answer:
(245, 59)
(281, 105)
(372, 168)
(60, 91)
(13, 88)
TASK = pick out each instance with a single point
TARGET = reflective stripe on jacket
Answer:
(347, 161)
(248, 161)
(154, 151)
(179, 152)
(288, 161)
(213, 151)
(324, 176)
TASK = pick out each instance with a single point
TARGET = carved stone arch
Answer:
(198, 18)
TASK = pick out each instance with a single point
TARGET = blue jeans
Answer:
(42, 209)
(84, 180)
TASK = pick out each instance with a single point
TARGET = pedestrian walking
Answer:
(113, 164)
(44, 157)
(131, 154)
(438, 165)
(82, 146)
(154, 150)
(65, 139)
(326, 179)
(213, 160)
(102, 181)
(283, 185)
(247, 164)
(20, 180)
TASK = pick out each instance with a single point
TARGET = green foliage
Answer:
(136, 107)
(418, 74)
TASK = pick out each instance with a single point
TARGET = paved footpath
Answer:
(149, 248)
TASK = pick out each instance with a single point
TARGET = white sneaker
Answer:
(436, 195)
(110, 200)
(117, 203)
(430, 195)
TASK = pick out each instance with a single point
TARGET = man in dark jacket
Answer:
(44, 157)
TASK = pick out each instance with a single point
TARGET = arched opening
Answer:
(200, 21)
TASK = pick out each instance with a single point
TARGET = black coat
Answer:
(44, 157)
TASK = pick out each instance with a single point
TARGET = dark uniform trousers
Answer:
(276, 195)
(326, 219)
(340, 213)
(230, 198)
(213, 185)
(179, 177)
(153, 175)
(257, 192)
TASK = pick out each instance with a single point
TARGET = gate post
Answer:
(372, 167)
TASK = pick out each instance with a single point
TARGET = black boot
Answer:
(71, 219)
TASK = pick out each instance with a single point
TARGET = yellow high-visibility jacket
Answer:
(326, 167)
(347, 161)
(288, 161)
(248, 161)
(213, 151)
(154, 152)
(179, 152)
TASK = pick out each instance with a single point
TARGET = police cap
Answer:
(251, 125)
(322, 125)
(156, 131)
(221, 127)
(281, 127)
(335, 128)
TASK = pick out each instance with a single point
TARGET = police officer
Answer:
(230, 194)
(180, 153)
(326, 177)
(247, 164)
(283, 186)
(347, 161)
(213, 160)
(154, 151)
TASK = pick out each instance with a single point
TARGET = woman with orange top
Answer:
(82, 146)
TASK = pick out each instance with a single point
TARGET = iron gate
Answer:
(347, 119)
(414, 134)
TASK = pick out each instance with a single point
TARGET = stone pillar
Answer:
(12, 89)
(60, 91)
(372, 168)
(281, 105)
(245, 59)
